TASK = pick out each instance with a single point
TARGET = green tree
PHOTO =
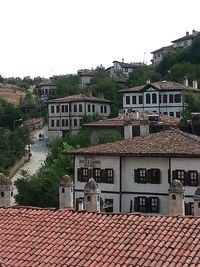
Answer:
(194, 51)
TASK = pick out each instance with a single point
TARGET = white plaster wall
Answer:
(106, 162)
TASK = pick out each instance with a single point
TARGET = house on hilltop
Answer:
(182, 42)
(163, 97)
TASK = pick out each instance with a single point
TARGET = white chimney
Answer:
(128, 130)
(176, 199)
(185, 81)
(80, 204)
(194, 84)
(187, 33)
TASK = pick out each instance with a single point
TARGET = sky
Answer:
(56, 37)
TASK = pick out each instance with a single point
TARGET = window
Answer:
(105, 109)
(89, 108)
(63, 122)
(88, 198)
(62, 108)
(2, 194)
(164, 98)
(146, 204)
(57, 123)
(179, 175)
(134, 99)
(148, 100)
(52, 123)
(126, 69)
(70, 108)
(171, 114)
(164, 113)
(101, 109)
(83, 174)
(11, 193)
(63, 190)
(178, 114)
(93, 108)
(153, 176)
(109, 176)
(52, 109)
(189, 208)
(160, 99)
(140, 99)
(177, 98)
(192, 178)
(171, 98)
(57, 109)
(66, 108)
(75, 122)
(140, 175)
(154, 98)
(75, 108)
(127, 100)
(147, 176)
(97, 175)
(108, 205)
(80, 108)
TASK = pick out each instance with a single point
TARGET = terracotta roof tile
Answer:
(120, 239)
(170, 142)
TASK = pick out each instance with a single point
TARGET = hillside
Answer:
(11, 93)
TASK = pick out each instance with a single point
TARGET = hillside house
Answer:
(163, 97)
(65, 114)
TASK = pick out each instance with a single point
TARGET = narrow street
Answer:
(39, 151)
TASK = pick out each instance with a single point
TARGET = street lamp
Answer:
(15, 122)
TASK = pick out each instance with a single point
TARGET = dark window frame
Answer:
(140, 99)
(148, 98)
(134, 99)
(128, 100)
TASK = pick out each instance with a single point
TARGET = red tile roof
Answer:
(165, 143)
(160, 86)
(132, 120)
(80, 97)
(53, 238)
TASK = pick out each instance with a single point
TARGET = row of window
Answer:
(147, 204)
(76, 108)
(189, 178)
(99, 175)
(152, 99)
(153, 176)
(64, 122)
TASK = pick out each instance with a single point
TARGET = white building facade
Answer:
(135, 175)
(65, 114)
(164, 97)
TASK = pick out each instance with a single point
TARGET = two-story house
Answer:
(163, 97)
(182, 42)
(85, 76)
(135, 174)
(43, 90)
(120, 68)
(65, 114)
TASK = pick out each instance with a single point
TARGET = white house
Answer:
(159, 54)
(135, 174)
(120, 68)
(44, 89)
(163, 97)
(85, 76)
(65, 114)
(182, 42)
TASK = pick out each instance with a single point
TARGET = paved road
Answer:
(39, 152)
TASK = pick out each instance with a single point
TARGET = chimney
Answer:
(194, 32)
(128, 133)
(92, 196)
(6, 191)
(80, 204)
(66, 193)
(176, 199)
(187, 33)
(197, 202)
(148, 81)
(194, 84)
(185, 81)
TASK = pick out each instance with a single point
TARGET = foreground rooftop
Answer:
(166, 143)
(49, 237)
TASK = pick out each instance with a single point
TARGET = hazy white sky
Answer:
(52, 37)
